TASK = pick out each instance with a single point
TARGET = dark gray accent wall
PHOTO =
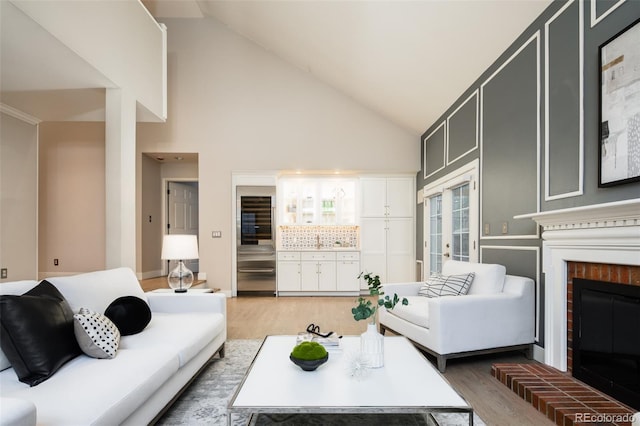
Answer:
(510, 133)
(463, 129)
(508, 151)
(602, 6)
(434, 147)
(564, 127)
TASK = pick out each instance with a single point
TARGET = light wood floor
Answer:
(255, 317)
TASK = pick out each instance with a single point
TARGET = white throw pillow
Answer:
(446, 285)
(489, 277)
(96, 290)
(96, 334)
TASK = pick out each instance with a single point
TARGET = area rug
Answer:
(205, 401)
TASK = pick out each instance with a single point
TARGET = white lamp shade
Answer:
(179, 247)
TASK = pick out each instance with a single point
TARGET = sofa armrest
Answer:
(402, 289)
(17, 412)
(187, 302)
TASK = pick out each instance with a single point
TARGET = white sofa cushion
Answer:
(189, 332)
(489, 277)
(96, 290)
(101, 391)
(18, 412)
(416, 312)
(446, 285)
(97, 336)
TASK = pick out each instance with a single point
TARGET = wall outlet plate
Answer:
(3, 273)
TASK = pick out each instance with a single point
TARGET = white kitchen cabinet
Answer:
(390, 196)
(387, 228)
(318, 271)
(321, 272)
(317, 201)
(347, 271)
(288, 271)
(387, 246)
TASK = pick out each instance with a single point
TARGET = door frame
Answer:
(470, 172)
(165, 218)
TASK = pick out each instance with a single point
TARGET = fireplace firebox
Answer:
(606, 338)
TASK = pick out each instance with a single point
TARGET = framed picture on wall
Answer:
(620, 108)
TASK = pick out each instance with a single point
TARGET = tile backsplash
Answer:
(306, 237)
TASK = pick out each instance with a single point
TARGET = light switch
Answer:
(216, 234)
(505, 228)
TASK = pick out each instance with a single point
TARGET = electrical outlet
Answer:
(55, 262)
(3, 273)
(487, 229)
(505, 228)
(216, 234)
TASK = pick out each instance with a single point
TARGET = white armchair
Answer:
(497, 314)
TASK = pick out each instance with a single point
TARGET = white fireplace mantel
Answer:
(600, 233)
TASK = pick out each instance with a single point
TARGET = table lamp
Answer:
(180, 247)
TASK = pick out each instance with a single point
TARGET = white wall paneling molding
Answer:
(426, 140)
(535, 38)
(549, 117)
(473, 98)
(596, 19)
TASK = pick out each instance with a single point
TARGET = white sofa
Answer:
(497, 314)
(148, 372)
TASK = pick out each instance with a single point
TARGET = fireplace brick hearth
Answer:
(621, 274)
(563, 399)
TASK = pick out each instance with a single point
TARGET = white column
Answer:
(120, 170)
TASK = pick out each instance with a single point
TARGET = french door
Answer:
(451, 219)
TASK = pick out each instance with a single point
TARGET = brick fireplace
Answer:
(601, 243)
(601, 240)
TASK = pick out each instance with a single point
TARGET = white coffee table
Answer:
(408, 383)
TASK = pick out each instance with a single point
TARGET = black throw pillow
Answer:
(37, 332)
(129, 313)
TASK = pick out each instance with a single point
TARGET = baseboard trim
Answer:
(149, 274)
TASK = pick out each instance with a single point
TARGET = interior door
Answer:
(182, 214)
(451, 220)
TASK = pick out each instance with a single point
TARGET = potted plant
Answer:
(372, 342)
(309, 355)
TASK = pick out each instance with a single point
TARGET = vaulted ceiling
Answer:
(406, 60)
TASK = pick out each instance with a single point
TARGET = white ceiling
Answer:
(407, 60)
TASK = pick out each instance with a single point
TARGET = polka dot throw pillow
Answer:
(97, 335)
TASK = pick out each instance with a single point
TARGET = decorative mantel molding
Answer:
(607, 215)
